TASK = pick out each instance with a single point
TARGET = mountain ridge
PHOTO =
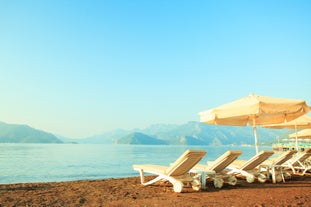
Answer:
(191, 133)
(18, 133)
(140, 138)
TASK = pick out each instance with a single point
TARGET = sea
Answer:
(24, 163)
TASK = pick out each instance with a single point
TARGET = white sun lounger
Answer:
(177, 173)
(274, 168)
(215, 170)
(248, 169)
(298, 163)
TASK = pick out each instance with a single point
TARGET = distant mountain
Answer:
(188, 140)
(140, 138)
(66, 139)
(191, 133)
(106, 138)
(13, 133)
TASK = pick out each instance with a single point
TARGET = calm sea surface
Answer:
(22, 163)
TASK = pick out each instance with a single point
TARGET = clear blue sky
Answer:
(79, 68)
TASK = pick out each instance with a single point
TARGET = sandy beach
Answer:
(129, 192)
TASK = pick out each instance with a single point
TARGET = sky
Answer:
(78, 68)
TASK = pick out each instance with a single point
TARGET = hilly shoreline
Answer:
(191, 133)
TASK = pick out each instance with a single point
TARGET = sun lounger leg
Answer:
(293, 169)
(142, 178)
(282, 174)
(250, 178)
(232, 180)
(203, 179)
(218, 182)
(178, 186)
(196, 185)
(273, 175)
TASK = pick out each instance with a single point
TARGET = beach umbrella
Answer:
(305, 133)
(255, 110)
(302, 122)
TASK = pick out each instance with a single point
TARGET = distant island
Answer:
(191, 133)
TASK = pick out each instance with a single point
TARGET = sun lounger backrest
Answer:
(185, 162)
(223, 161)
(256, 160)
(284, 157)
(301, 157)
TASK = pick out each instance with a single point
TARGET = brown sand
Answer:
(129, 192)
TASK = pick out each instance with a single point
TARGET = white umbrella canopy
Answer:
(255, 110)
(306, 133)
(302, 122)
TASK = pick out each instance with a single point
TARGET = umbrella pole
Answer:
(256, 140)
(255, 134)
(296, 137)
